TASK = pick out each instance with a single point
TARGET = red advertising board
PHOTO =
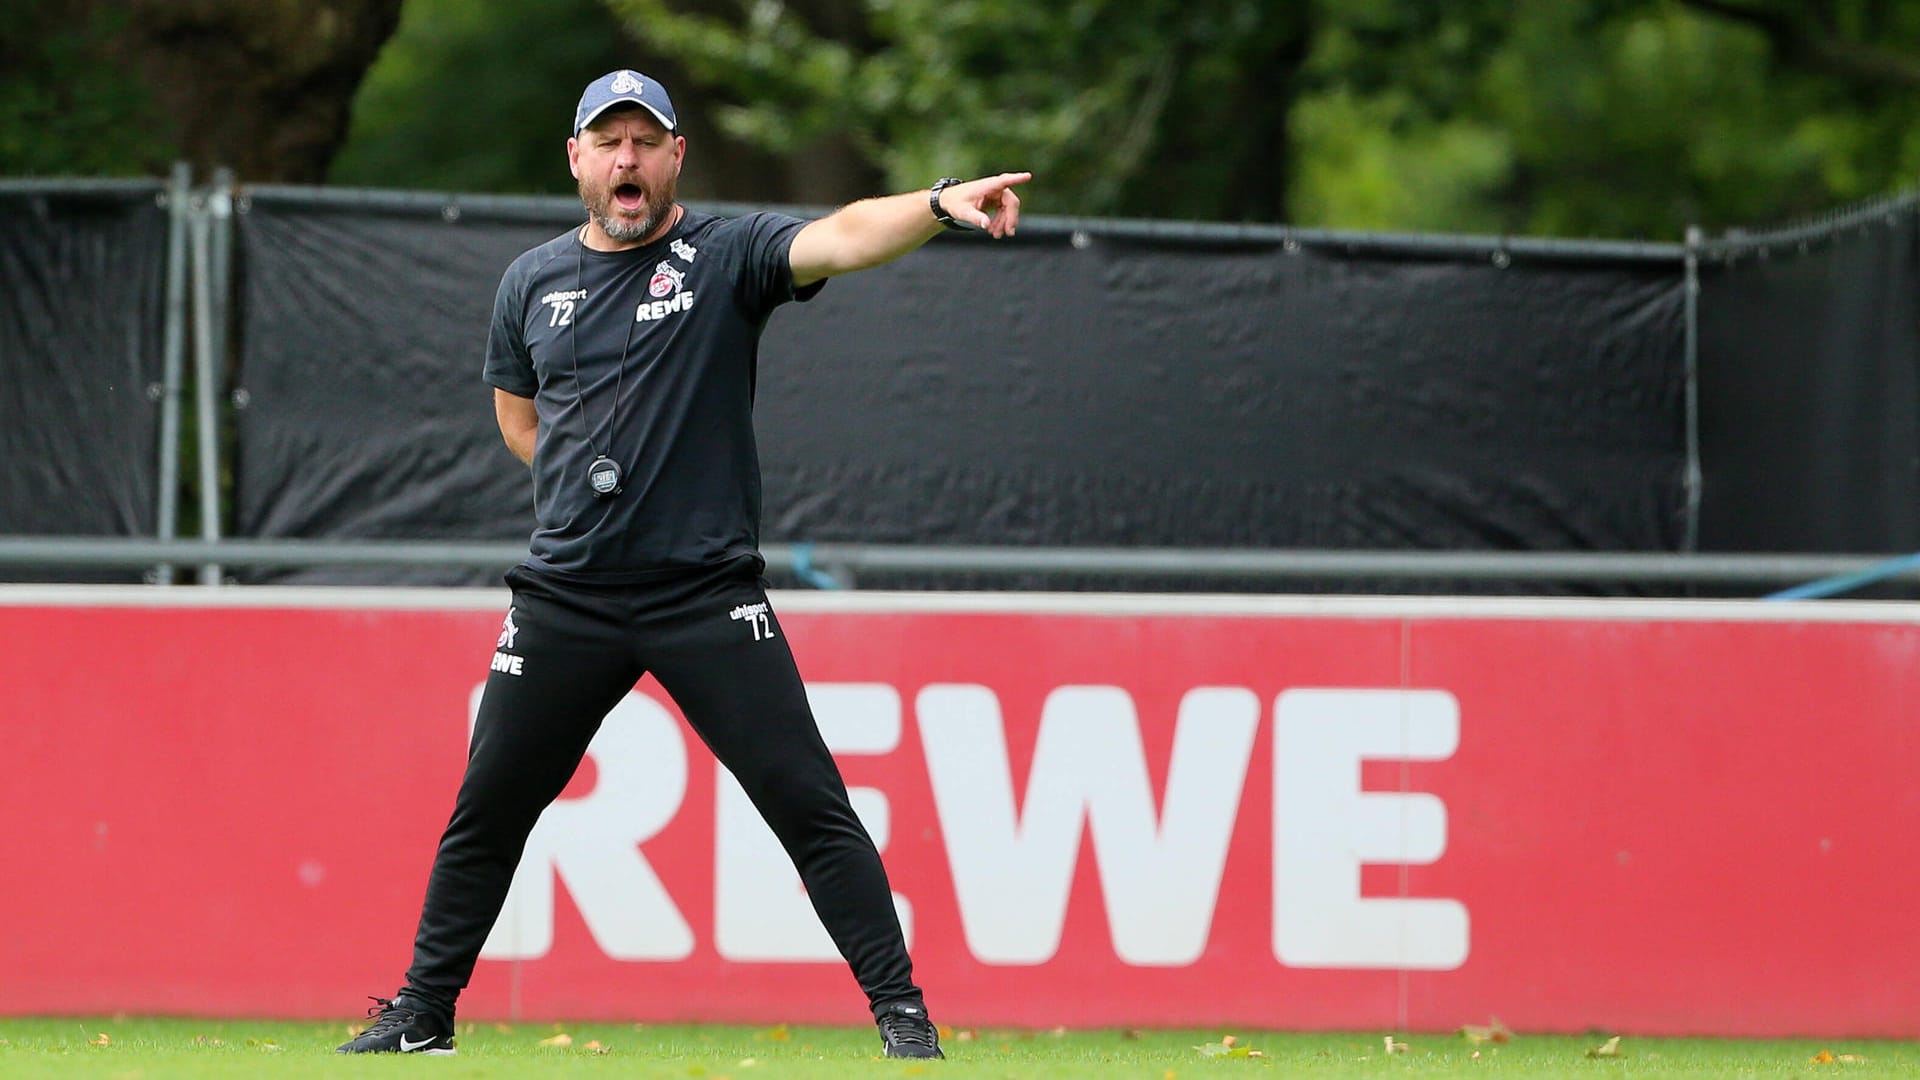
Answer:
(1411, 815)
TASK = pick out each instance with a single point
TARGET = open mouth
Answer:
(630, 197)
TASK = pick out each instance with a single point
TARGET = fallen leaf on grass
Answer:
(562, 1041)
(776, 1033)
(99, 1040)
(204, 1041)
(1230, 1047)
(268, 1045)
(1494, 1032)
(965, 1035)
(1395, 1046)
(596, 1047)
(1824, 1057)
(1608, 1049)
(1851, 1059)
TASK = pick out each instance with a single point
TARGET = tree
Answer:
(264, 86)
(425, 120)
(1162, 108)
(1873, 43)
(1616, 118)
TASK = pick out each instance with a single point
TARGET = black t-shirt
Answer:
(649, 357)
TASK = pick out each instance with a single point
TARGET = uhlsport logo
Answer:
(666, 278)
(757, 616)
(562, 302)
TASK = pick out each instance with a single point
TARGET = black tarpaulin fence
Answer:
(83, 277)
(1087, 384)
(1091, 384)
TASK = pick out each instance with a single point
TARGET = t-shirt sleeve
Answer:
(766, 279)
(509, 365)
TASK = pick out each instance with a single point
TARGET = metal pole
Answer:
(179, 192)
(220, 202)
(213, 381)
(1696, 480)
(203, 369)
(1237, 565)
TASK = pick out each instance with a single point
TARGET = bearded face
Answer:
(628, 169)
(628, 209)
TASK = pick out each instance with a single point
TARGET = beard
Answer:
(612, 221)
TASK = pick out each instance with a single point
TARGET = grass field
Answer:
(157, 1049)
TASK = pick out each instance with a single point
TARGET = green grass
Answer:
(155, 1049)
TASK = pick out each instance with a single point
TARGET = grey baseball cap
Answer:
(623, 86)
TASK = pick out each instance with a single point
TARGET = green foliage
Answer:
(66, 108)
(1126, 107)
(1616, 118)
(478, 97)
(1619, 118)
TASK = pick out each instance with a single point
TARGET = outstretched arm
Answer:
(874, 231)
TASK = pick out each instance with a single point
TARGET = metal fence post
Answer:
(1695, 479)
(212, 376)
(178, 195)
(204, 368)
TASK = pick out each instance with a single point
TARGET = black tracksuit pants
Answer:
(582, 649)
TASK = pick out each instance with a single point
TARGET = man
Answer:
(622, 356)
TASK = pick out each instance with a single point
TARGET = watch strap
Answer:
(940, 212)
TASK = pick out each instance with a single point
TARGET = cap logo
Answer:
(628, 82)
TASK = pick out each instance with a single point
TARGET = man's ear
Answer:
(573, 157)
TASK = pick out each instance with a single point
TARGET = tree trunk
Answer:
(263, 86)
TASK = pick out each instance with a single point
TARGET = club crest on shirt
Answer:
(666, 278)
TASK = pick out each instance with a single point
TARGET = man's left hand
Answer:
(988, 203)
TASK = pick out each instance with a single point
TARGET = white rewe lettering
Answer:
(1325, 827)
(760, 910)
(660, 309)
(592, 844)
(507, 662)
(1159, 872)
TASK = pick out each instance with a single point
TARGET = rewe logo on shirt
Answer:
(649, 311)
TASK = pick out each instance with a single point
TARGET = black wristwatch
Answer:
(940, 212)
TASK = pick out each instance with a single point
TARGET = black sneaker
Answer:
(906, 1032)
(400, 1028)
